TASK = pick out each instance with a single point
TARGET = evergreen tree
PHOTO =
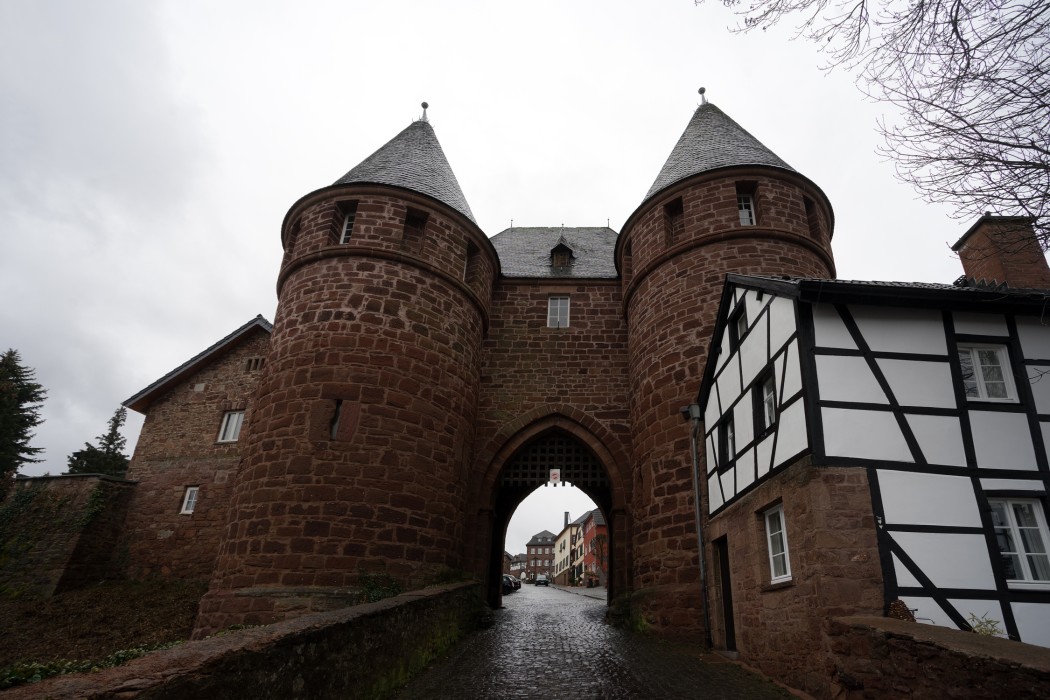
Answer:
(20, 402)
(108, 457)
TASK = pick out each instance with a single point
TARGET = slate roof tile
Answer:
(526, 252)
(414, 160)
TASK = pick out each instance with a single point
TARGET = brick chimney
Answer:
(1003, 249)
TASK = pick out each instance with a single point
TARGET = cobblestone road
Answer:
(553, 644)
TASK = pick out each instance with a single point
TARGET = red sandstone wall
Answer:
(392, 331)
(672, 300)
(177, 448)
(834, 567)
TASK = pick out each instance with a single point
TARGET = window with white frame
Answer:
(745, 205)
(558, 312)
(986, 372)
(776, 540)
(1021, 533)
(189, 500)
(765, 403)
(231, 426)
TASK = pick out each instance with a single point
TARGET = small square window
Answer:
(189, 500)
(558, 312)
(776, 539)
(986, 373)
(765, 403)
(231, 426)
(1021, 533)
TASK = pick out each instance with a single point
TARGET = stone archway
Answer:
(522, 464)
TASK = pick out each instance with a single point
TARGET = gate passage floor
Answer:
(551, 643)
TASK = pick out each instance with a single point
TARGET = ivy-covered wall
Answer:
(61, 533)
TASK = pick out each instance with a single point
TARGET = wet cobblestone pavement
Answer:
(553, 644)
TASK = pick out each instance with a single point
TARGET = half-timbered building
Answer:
(872, 442)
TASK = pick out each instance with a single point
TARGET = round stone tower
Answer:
(723, 203)
(362, 425)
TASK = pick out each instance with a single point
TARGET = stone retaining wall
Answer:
(365, 651)
(878, 657)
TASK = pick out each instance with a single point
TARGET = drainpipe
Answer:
(692, 413)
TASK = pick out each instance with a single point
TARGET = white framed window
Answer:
(558, 312)
(189, 500)
(986, 372)
(1022, 536)
(231, 426)
(745, 205)
(777, 542)
(346, 226)
(765, 403)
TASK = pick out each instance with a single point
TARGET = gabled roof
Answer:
(599, 519)
(414, 160)
(712, 140)
(141, 401)
(526, 252)
(541, 538)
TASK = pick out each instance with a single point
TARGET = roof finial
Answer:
(424, 117)
(703, 100)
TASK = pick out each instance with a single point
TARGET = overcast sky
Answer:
(149, 150)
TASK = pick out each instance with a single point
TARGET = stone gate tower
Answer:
(365, 411)
(722, 203)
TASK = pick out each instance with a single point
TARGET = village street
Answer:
(553, 643)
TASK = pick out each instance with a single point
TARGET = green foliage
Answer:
(34, 671)
(377, 586)
(108, 457)
(20, 402)
(985, 625)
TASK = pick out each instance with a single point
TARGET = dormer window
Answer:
(561, 256)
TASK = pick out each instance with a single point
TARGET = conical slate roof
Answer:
(712, 140)
(414, 160)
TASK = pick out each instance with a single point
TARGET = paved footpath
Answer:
(551, 643)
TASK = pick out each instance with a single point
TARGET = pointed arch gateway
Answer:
(589, 458)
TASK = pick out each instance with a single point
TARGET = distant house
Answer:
(540, 553)
(595, 547)
(871, 442)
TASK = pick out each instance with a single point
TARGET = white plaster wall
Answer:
(1033, 622)
(1002, 440)
(781, 321)
(791, 433)
(901, 330)
(712, 451)
(844, 378)
(863, 434)
(949, 560)
(743, 421)
(788, 368)
(1039, 380)
(711, 411)
(1012, 485)
(754, 304)
(915, 498)
(829, 330)
(754, 353)
(1035, 337)
(729, 382)
(979, 324)
(714, 496)
(745, 470)
(904, 577)
(939, 438)
(763, 453)
(927, 611)
(916, 383)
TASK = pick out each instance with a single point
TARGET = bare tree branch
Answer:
(971, 79)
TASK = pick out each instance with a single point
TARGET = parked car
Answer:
(516, 581)
(541, 580)
(508, 584)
